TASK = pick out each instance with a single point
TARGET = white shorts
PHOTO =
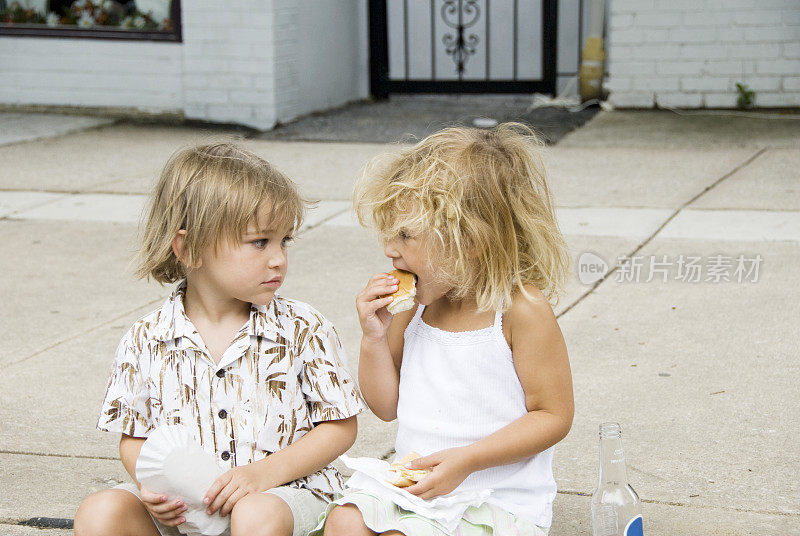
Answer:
(305, 506)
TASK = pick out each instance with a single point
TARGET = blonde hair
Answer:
(482, 197)
(213, 192)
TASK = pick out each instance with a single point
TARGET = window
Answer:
(157, 20)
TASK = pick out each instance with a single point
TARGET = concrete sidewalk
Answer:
(702, 375)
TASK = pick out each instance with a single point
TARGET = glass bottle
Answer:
(616, 509)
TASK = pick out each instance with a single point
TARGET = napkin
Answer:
(371, 474)
(173, 463)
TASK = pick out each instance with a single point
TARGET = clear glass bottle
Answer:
(616, 509)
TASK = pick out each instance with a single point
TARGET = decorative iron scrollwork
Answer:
(460, 15)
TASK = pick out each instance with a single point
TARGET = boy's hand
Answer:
(372, 312)
(450, 468)
(231, 486)
(165, 511)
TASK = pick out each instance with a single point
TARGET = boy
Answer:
(258, 379)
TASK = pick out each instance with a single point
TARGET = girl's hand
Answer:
(165, 511)
(231, 486)
(450, 468)
(372, 312)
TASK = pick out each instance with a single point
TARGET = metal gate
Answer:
(462, 46)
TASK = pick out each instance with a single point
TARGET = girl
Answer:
(477, 374)
(258, 379)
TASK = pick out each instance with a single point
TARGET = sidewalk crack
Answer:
(325, 220)
(40, 522)
(55, 455)
(650, 238)
(40, 204)
(699, 506)
(84, 332)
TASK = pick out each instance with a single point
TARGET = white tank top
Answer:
(459, 387)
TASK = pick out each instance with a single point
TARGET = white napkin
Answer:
(371, 474)
(173, 463)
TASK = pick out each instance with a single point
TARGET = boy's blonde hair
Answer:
(213, 192)
(481, 200)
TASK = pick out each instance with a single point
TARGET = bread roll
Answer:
(406, 290)
(403, 477)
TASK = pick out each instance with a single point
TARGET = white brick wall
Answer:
(691, 53)
(89, 72)
(236, 64)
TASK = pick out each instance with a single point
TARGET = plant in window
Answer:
(86, 14)
(16, 14)
(86, 20)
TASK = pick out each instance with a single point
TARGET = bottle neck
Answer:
(612, 461)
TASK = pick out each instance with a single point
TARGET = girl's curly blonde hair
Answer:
(482, 196)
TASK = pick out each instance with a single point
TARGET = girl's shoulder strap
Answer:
(417, 314)
(498, 317)
(497, 328)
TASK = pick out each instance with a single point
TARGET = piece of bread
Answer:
(399, 480)
(406, 290)
(403, 477)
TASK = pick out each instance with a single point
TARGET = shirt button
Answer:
(220, 373)
(222, 414)
(226, 456)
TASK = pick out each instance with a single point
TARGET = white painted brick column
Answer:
(691, 53)
(229, 62)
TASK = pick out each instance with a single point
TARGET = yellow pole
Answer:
(590, 74)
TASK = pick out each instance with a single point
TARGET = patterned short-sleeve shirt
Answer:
(284, 372)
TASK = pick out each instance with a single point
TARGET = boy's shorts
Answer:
(305, 506)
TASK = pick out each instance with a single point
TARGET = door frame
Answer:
(381, 86)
